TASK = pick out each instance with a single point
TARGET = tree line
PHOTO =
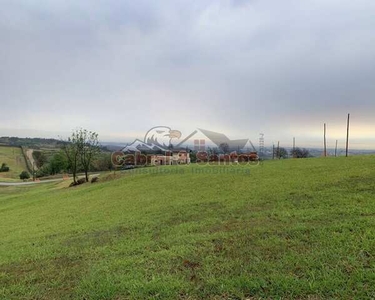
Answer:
(280, 152)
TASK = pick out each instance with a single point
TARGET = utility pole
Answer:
(325, 140)
(347, 136)
(294, 147)
(336, 149)
(273, 151)
(278, 150)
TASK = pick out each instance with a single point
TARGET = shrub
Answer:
(110, 177)
(24, 175)
(79, 181)
(4, 168)
(94, 179)
(43, 171)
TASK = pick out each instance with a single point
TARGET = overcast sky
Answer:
(240, 67)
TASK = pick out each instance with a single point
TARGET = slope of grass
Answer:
(287, 229)
(13, 157)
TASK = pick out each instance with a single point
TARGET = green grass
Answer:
(13, 157)
(293, 229)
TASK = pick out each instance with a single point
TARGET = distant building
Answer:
(170, 158)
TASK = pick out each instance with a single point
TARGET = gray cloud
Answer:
(244, 67)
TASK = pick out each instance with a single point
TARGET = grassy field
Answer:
(13, 157)
(292, 229)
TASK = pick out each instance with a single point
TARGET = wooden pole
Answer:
(325, 140)
(294, 147)
(273, 151)
(336, 149)
(278, 150)
(347, 136)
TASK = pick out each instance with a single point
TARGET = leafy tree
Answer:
(58, 163)
(24, 175)
(281, 152)
(72, 153)
(4, 168)
(88, 148)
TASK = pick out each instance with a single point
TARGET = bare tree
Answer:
(300, 153)
(88, 148)
(282, 153)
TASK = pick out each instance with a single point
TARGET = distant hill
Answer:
(35, 143)
(38, 143)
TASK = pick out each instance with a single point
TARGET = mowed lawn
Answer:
(288, 229)
(13, 157)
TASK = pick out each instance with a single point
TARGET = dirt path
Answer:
(29, 154)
